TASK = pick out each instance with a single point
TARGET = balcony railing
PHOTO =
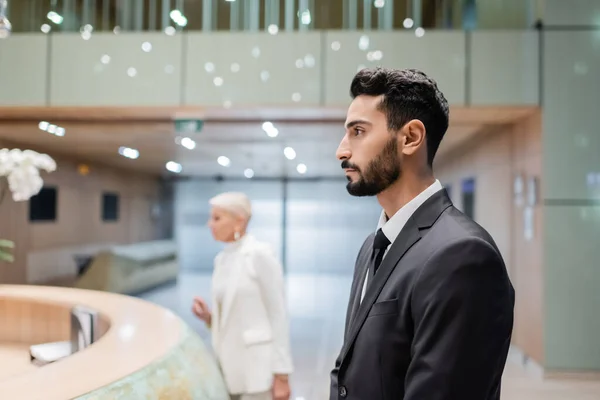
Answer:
(268, 15)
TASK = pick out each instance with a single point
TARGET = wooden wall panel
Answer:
(79, 220)
(494, 159)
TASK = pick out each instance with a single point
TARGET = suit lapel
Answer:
(356, 292)
(422, 219)
(405, 240)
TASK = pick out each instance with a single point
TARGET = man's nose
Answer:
(343, 151)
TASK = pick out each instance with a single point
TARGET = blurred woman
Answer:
(249, 323)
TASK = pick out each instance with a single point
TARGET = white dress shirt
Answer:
(391, 227)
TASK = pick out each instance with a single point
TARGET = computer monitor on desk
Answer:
(84, 332)
(84, 327)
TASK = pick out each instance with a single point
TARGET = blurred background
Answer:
(151, 107)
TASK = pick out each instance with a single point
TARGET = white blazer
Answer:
(250, 329)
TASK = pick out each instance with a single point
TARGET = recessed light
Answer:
(273, 29)
(60, 131)
(218, 81)
(51, 129)
(270, 129)
(147, 47)
(289, 153)
(301, 168)
(248, 173)
(408, 23)
(174, 167)
(105, 59)
(209, 67)
(131, 72)
(379, 3)
(188, 143)
(224, 161)
(43, 125)
(419, 32)
(128, 152)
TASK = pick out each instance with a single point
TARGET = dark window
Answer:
(468, 197)
(110, 207)
(42, 206)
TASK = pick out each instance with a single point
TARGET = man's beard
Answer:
(380, 173)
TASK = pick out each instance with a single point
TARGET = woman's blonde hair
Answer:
(235, 202)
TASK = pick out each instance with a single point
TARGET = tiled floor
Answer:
(317, 304)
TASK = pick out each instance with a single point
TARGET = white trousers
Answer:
(253, 396)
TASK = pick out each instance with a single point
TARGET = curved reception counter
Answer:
(139, 350)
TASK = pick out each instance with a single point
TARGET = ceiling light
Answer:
(335, 46)
(188, 143)
(169, 31)
(174, 167)
(54, 17)
(209, 67)
(223, 161)
(131, 72)
(379, 3)
(264, 76)
(309, 60)
(147, 47)
(248, 173)
(408, 23)
(296, 97)
(419, 32)
(129, 152)
(218, 81)
(301, 168)
(51, 128)
(46, 28)
(305, 17)
(289, 153)
(235, 67)
(105, 59)
(273, 29)
(363, 42)
(270, 129)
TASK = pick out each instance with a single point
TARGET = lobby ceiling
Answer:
(95, 135)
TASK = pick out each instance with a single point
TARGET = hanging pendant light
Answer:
(5, 26)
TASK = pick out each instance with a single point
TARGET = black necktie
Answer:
(380, 244)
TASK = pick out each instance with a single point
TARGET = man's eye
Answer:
(358, 131)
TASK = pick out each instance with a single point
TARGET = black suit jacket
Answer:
(436, 319)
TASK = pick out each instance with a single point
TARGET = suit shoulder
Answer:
(460, 228)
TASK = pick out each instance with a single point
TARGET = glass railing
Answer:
(268, 15)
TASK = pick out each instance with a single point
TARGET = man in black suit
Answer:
(430, 314)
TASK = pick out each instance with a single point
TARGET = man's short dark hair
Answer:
(407, 94)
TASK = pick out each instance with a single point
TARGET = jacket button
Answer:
(343, 391)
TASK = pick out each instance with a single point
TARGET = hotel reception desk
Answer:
(139, 350)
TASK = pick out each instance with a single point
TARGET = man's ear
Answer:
(413, 135)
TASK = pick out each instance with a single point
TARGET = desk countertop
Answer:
(140, 334)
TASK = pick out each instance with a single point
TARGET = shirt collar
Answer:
(392, 227)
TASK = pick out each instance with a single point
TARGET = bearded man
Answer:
(430, 314)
